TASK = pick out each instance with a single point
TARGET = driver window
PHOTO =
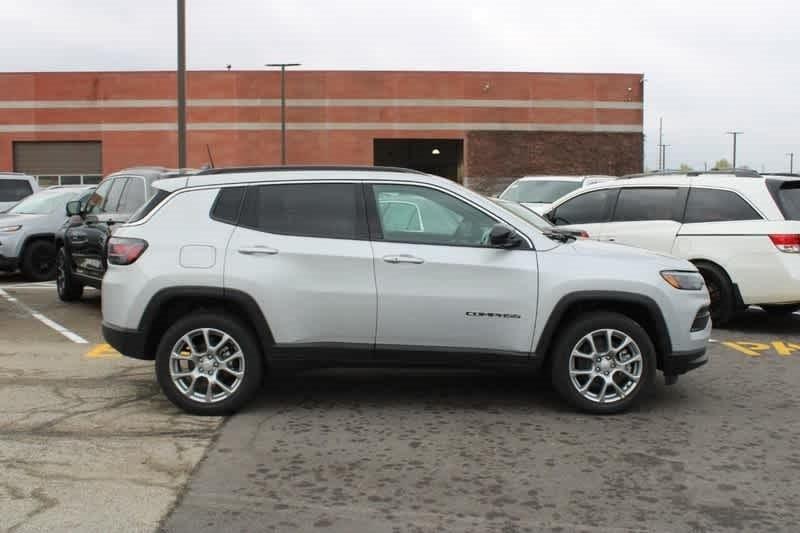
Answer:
(590, 208)
(421, 215)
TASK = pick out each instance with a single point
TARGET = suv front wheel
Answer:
(68, 288)
(603, 362)
(209, 364)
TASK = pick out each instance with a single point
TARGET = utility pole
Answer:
(664, 155)
(660, 143)
(283, 104)
(735, 135)
(181, 84)
(791, 162)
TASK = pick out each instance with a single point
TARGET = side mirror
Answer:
(74, 208)
(501, 236)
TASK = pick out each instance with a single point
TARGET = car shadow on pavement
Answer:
(430, 389)
(757, 321)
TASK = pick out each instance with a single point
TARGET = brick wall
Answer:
(495, 158)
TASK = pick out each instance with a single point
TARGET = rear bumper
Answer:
(678, 363)
(128, 342)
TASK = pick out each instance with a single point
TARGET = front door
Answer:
(303, 252)
(440, 285)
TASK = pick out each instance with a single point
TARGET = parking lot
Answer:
(89, 443)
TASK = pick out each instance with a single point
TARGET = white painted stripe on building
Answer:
(321, 126)
(322, 102)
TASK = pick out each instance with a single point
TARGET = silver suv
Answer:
(232, 272)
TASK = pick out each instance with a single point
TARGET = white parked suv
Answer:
(539, 192)
(741, 230)
(230, 272)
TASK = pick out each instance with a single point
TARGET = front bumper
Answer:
(678, 363)
(8, 263)
(128, 342)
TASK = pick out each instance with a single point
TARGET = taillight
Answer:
(122, 251)
(584, 234)
(788, 243)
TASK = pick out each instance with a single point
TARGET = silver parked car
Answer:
(27, 231)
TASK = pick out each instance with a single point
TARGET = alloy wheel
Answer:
(605, 366)
(207, 365)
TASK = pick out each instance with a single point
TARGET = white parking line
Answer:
(74, 337)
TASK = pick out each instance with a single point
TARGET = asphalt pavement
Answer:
(88, 443)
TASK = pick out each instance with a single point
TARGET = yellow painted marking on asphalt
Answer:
(785, 349)
(753, 349)
(102, 350)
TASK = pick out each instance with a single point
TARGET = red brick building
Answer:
(481, 128)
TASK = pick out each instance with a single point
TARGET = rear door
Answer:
(647, 217)
(302, 251)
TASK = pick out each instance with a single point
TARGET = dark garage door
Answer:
(58, 158)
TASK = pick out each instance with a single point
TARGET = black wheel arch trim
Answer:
(255, 316)
(662, 340)
(37, 237)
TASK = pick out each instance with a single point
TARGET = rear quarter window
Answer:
(151, 204)
(787, 196)
(716, 205)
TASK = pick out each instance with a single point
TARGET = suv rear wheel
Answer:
(68, 288)
(603, 362)
(39, 261)
(209, 364)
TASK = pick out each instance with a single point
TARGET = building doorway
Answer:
(443, 157)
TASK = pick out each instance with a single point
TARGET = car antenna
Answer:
(210, 157)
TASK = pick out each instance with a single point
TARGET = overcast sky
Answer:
(711, 66)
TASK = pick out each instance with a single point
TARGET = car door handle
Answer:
(403, 258)
(258, 250)
(609, 239)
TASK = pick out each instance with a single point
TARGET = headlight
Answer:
(686, 281)
(10, 229)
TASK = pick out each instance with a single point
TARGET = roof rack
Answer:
(236, 170)
(781, 174)
(738, 172)
(654, 173)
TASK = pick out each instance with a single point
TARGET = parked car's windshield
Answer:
(539, 191)
(524, 213)
(45, 202)
(14, 190)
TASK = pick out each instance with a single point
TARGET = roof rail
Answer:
(781, 174)
(655, 173)
(236, 170)
(738, 172)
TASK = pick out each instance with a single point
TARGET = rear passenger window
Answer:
(327, 210)
(646, 204)
(14, 190)
(226, 208)
(589, 208)
(714, 205)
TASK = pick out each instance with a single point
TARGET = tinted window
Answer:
(789, 200)
(712, 205)
(428, 216)
(589, 208)
(330, 210)
(226, 208)
(539, 191)
(646, 204)
(132, 196)
(14, 190)
(96, 201)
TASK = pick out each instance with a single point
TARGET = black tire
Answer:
(723, 303)
(781, 309)
(572, 338)
(252, 360)
(69, 289)
(39, 261)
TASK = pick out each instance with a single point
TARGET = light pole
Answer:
(181, 83)
(735, 135)
(664, 156)
(791, 162)
(283, 104)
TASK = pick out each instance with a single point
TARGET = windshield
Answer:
(45, 202)
(539, 191)
(14, 190)
(524, 213)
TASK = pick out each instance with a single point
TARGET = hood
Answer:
(591, 248)
(538, 208)
(17, 220)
